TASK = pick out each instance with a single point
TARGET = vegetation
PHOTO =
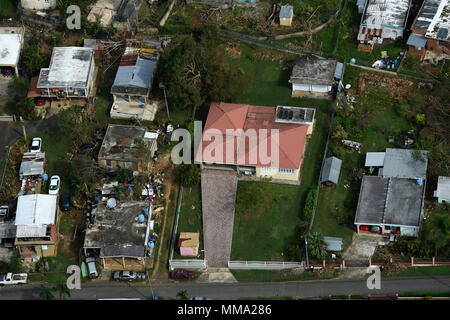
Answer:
(316, 245)
(281, 275)
(188, 174)
(46, 293)
(18, 103)
(182, 295)
(14, 265)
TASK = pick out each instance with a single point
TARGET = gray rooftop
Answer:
(390, 201)
(333, 244)
(417, 40)
(389, 13)
(120, 140)
(331, 170)
(443, 188)
(286, 12)
(313, 71)
(135, 79)
(7, 229)
(434, 19)
(116, 232)
(69, 67)
(32, 164)
(403, 163)
(374, 159)
(287, 114)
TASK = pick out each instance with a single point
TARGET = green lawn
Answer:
(190, 219)
(278, 275)
(421, 271)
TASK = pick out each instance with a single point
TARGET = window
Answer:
(286, 171)
(266, 169)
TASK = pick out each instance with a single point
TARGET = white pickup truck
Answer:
(10, 278)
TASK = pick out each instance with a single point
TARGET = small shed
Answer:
(443, 190)
(286, 15)
(33, 164)
(189, 243)
(374, 159)
(331, 171)
(333, 244)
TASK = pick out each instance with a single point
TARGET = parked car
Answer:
(39, 101)
(92, 269)
(9, 278)
(200, 298)
(65, 202)
(181, 274)
(4, 210)
(54, 185)
(124, 275)
(36, 145)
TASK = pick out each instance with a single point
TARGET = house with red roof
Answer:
(256, 141)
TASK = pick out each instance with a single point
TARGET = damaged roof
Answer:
(313, 71)
(404, 163)
(69, 67)
(387, 13)
(117, 232)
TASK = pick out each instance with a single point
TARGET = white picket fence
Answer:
(187, 264)
(264, 265)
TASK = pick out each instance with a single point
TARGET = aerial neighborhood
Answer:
(177, 142)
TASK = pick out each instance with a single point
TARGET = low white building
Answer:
(38, 4)
(70, 74)
(11, 42)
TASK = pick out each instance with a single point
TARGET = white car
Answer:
(36, 145)
(54, 185)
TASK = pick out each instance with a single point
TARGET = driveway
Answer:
(362, 248)
(218, 199)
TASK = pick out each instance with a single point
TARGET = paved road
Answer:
(218, 198)
(228, 291)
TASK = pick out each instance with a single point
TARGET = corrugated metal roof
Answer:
(389, 13)
(138, 75)
(403, 163)
(286, 12)
(374, 159)
(32, 164)
(417, 40)
(333, 244)
(36, 209)
(331, 170)
(339, 70)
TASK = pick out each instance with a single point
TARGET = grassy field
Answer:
(276, 275)
(421, 271)
(190, 219)
(273, 224)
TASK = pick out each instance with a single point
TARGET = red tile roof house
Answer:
(293, 125)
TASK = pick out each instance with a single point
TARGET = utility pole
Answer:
(306, 247)
(162, 86)
(24, 132)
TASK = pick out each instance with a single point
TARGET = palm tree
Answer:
(316, 245)
(62, 289)
(182, 295)
(438, 232)
(46, 293)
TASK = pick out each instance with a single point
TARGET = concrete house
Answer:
(382, 20)
(392, 202)
(286, 15)
(119, 145)
(315, 78)
(36, 5)
(233, 120)
(331, 170)
(443, 190)
(70, 74)
(117, 238)
(429, 39)
(36, 224)
(11, 42)
(133, 82)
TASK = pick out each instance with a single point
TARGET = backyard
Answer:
(8, 8)
(268, 217)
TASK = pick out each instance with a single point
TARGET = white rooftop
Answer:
(374, 159)
(443, 188)
(10, 45)
(69, 67)
(34, 213)
(389, 13)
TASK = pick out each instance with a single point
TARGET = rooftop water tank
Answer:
(111, 203)
(419, 181)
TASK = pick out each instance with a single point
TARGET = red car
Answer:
(182, 274)
(39, 101)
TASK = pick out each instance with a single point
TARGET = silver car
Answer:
(124, 275)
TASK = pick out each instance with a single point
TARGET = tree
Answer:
(46, 293)
(316, 245)
(182, 295)
(62, 289)
(420, 119)
(437, 232)
(188, 174)
(309, 204)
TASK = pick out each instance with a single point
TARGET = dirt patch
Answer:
(395, 87)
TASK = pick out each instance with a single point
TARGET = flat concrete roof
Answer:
(69, 67)
(313, 71)
(390, 201)
(10, 45)
(443, 187)
(116, 232)
(404, 163)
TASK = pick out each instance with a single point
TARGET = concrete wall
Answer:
(275, 174)
(286, 21)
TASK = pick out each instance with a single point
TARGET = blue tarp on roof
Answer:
(417, 40)
(139, 75)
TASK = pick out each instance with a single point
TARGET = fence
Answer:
(264, 265)
(188, 264)
(7, 118)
